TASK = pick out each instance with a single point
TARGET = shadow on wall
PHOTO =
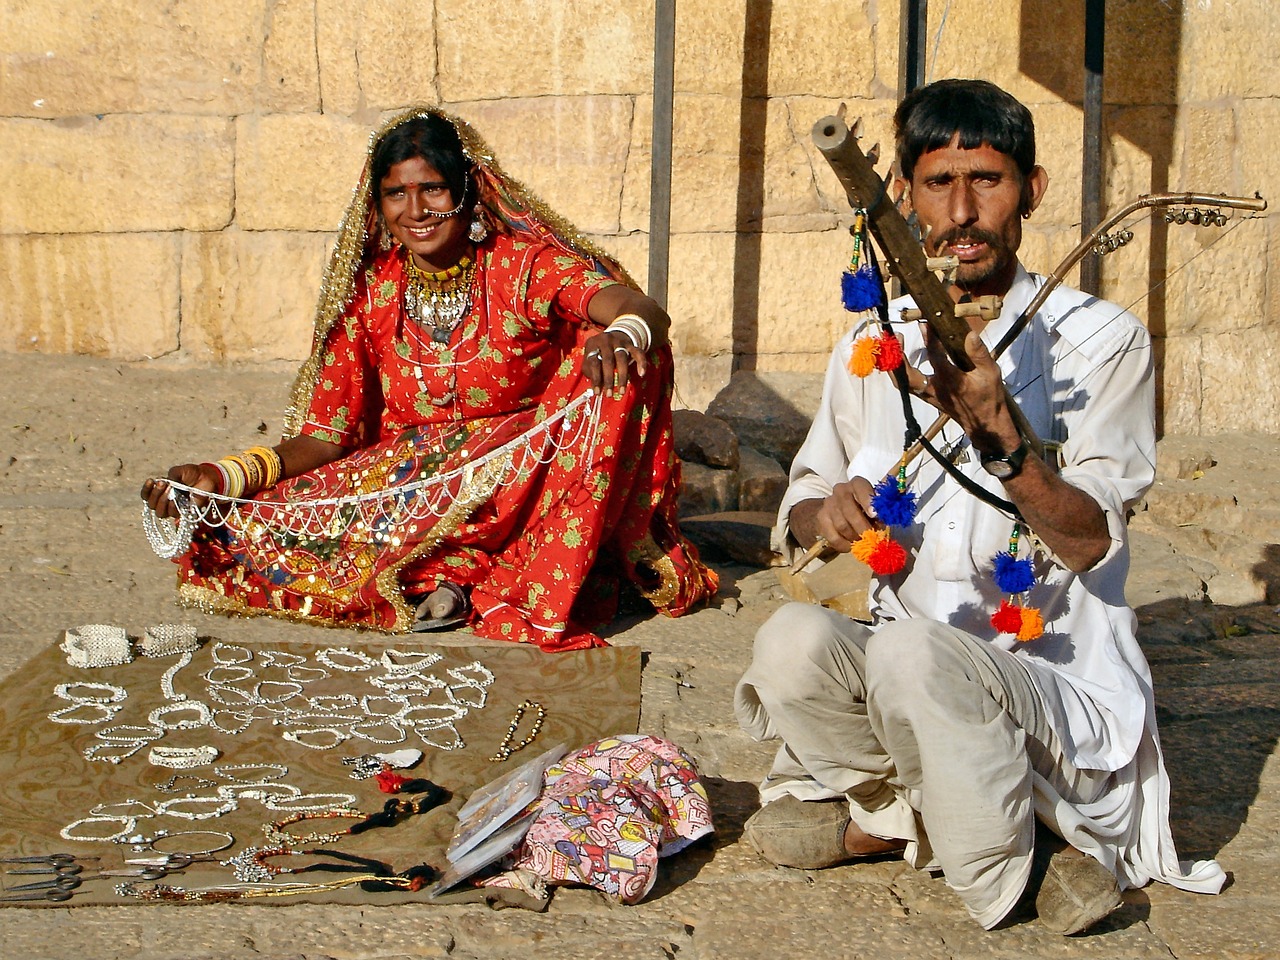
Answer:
(1142, 48)
(751, 159)
(1217, 679)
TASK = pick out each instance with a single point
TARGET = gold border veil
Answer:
(512, 208)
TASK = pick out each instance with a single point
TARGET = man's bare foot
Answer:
(442, 602)
(860, 844)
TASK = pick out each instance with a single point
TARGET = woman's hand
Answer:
(607, 360)
(156, 492)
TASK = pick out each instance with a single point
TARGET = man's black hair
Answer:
(979, 111)
(434, 140)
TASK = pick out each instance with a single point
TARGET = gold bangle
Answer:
(252, 472)
(272, 465)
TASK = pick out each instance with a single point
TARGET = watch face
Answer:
(1000, 469)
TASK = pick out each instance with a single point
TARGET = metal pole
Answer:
(1095, 19)
(664, 55)
(914, 24)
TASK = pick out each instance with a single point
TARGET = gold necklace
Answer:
(439, 301)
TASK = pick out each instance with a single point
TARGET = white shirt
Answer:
(1082, 373)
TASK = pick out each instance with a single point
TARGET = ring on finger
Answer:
(593, 353)
(622, 350)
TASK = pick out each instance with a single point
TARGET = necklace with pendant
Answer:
(438, 303)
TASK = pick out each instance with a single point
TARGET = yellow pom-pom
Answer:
(862, 361)
(1032, 624)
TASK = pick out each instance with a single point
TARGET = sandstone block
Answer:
(710, 39)
(574, 48)
(570, 151)
(741, 536)
(1218, 286)
(700, 378)
(733, 167)
(1241, 375)
(818, 48)
(1259, 153)
(365, 65)
(1205, 136)
(101, 57)
(97, 294)
(800, 315)
(1178, 384)
(296, 171)
(706, 490)
(770, 411)
(1249, 29)
(705, 440)
(761, 482)
(702, 298)
(250, 295)
(115, 174)
(1058, 151)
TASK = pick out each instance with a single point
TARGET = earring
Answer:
(478, 230)
(384, 235)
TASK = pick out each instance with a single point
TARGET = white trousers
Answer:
(934, 735)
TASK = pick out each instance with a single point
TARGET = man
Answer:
(929, 732)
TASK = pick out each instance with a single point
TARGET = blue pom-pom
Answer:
(1013, 575)
(861, 290)
(895, 507)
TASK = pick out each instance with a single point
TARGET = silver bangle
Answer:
(182, 758)
(97, 645)
(166, 639)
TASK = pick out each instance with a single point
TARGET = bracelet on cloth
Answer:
(182, 758)
(97, 645)
(166, 639)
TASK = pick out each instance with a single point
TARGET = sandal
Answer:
(461, 611)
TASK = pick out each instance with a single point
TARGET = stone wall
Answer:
(172, 171)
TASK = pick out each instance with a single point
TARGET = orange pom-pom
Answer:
(889, 356)
(880, 552)
(1008, 619)
(866, 544)
(863, 359)
(1032, 626)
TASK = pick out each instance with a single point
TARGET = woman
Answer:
(482, 430)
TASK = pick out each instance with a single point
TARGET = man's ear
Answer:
(1033, 188)
(902, 195)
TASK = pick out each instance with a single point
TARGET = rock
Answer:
(761, 481)
(770, 411)
(703, 439)
(841, 583)
(707, 490)
(740, 535)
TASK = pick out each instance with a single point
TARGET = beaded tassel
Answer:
(1016, 577)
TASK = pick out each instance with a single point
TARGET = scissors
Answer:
(56, 895)
(57, 889)
(47, 863)
(60, 867)
(143, 873)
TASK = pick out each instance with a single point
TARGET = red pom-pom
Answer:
(887, 558)
(1008, 619)
(889, 356)
(389, 781)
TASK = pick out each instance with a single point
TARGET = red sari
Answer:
(542, 533)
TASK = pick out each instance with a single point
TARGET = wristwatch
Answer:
(1005, 466)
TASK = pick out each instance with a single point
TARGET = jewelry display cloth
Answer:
(257, 706)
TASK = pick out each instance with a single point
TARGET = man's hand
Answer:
(974, 399)
(840, 518)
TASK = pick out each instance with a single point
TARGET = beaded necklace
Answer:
(437, 302)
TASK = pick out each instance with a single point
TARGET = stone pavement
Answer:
(81, 434)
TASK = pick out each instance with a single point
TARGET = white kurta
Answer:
(1082, 373)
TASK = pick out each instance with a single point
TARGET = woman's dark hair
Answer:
(432, 138)
(980, 112)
